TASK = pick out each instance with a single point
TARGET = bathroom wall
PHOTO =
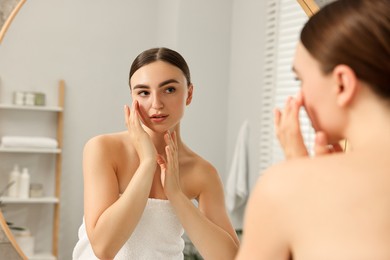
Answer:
(91, 43)
(245, 84)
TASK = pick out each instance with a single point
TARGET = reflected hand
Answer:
(140, 139)
(170, 167)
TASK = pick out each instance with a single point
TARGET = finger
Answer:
(126, 111)
(290, 115)
(139, 114)
(134, 117)
(295, 106)
(299, 99)
(161, 161)
(172, 146)
(277, 117)
(167, 138)
(287, 108)
(337, 148)
(174, 140)
(171, 149)
(168, 151)
(176, 149)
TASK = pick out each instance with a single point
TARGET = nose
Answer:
(157, 102)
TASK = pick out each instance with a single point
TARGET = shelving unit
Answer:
(52, 199)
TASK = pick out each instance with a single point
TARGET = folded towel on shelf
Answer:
(28, 142)
(237, 190)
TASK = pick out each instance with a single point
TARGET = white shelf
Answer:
(24, 119)
(32, 108)
(28, 150)
(43, 256)
(40, 200)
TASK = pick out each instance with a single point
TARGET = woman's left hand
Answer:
(288, 129)
(170, 166)
(289, 133)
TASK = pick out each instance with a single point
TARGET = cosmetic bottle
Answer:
(14, 178)
(24, 188)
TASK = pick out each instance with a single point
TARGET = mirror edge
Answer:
(309, 6)
(9, 20)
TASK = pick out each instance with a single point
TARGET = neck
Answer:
(369, 126)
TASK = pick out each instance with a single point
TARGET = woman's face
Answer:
(319, 101)
(162, 93)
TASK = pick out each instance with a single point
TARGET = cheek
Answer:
(141, 102)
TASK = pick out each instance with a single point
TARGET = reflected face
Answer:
(316, 88)
(162, 92)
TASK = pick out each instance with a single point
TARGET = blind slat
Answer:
(284, 22)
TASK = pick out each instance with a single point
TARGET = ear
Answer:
(190, 92)
(346, 81)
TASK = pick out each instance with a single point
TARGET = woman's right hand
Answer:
(139, 137)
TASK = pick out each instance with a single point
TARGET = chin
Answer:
(159, 129)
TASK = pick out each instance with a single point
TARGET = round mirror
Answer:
(8, 10)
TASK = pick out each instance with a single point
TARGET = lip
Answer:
(157, 118)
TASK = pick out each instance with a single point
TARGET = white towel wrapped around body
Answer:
(158, 235)
(28, 142)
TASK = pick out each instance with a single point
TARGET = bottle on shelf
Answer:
(24, 188)
(14, 182)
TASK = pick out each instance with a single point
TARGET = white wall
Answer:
(91, 43)
(245, 83)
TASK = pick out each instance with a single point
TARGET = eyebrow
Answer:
(166, 82)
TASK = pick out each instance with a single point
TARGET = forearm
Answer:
(116, 224)
(210, 240)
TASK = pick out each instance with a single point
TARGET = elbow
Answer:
(229, 253)
(103, 255)
(103, 252)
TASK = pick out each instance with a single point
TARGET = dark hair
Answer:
(162, 54)
(355, 33)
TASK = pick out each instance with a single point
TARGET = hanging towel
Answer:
(28, 142)
(237, 190)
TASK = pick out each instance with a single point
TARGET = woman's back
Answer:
(336, 207)
(331, 206)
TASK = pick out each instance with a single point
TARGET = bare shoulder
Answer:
(190, 159)
(107, 151)
(198, 174)
(106, 139)
(284, 181)
(105, 143)
(198, 165)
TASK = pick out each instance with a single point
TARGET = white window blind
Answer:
(285, 19)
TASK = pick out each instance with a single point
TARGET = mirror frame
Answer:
(309, 6)
(10, 18)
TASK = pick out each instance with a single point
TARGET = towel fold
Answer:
(237, 190)
(28, 142)
(158, 235)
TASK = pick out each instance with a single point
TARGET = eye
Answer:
(170, 90)
(143, 93)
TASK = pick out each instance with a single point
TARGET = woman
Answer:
(138, 184)
(334, 206)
